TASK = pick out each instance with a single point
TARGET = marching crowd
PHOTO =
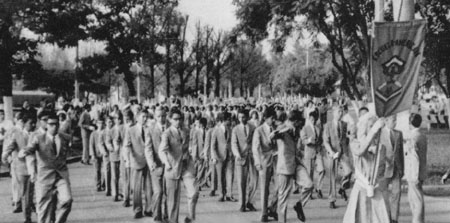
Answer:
(152, 151)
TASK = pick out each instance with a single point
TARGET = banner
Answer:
(396, 54)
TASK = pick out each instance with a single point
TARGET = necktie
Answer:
(54, 145)
(339, 130)
(143, 134)
(245, 131)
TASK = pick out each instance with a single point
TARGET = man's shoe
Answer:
(148, 214)
(99, 189)
(232, 199)
(116, 199)
(187, 220)
(296, 191)
(319, 194)
(343, 194)
(138, 215)
(212, 193)
(250, 207)
(311, 197)
(17, 210)
(126, 204)
(332, 205)
(298, 208)
(264, 218)
(242, 209)
(108, 194)
(394, 221)
(273, 215)
(222, 199)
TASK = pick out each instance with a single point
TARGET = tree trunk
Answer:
(197, 78)
(129, 79)
(152, 81)
(167, 70)
(181, 84)
(217, 82)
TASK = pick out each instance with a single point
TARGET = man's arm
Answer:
(400, 154)
(109, 140)
(92, 144)
(214, 155)
(256, 148)
(235, 144)
(326, 141)
(10, 146)
(149, 152)
(164, 148)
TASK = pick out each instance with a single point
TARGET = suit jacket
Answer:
(262, 147)
(85, 121)
(174, 148)
(152, 148)
(206, 153)
(135, 146)
(416, 157)
(287, 149)
(198, 143)
(49, 164)
(241, 143)
(97, 144)
(17, 141)
(311, 148)
(113, 154)
(393, 142)
(221, 144)
(336, 138)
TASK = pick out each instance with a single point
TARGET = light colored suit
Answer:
(416, 173)
(174, 152)
(97, 148)
(392, 141)
(136, 139)
(52, 176)
(221, 151)
(263, 154)
(311, 137)
(241, 145)
(125, 172)
(17, 142)
(153, 160)
(84, 123)
(335, 140)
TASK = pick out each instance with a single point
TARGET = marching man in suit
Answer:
(119, 141)
(85, 125)
(336, 143)
(97, 149)
(52, 176)
(222, 156)
(115, 151)
(135, 142)
(416, 168)
(392, 141)
(311, 137)
(241, 142)
(178, 165)
(18, 141)
(154, 161)
(263, 154)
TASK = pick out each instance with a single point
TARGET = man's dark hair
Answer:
(203, 121)
(295, 115)
(269, 112)
(87, 107)
(243, 111)
(314, 114)
(174, 111)
(52, 115)
(415, 120)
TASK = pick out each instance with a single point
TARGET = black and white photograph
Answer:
(220, 111)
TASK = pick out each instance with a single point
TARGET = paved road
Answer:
(91, 206)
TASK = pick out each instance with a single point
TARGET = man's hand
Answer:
(214, 161)
(168, 166)
(92, 128)
(152, 167)
(33, 177)
(379, 124)
(259, 167)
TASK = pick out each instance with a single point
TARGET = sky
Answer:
(216, 13)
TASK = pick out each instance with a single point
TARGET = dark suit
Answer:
(135, 140)
(174, 151)
(221, 152)
(52, 176)
(241, 145)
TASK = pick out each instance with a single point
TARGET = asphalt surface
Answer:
(92, 206)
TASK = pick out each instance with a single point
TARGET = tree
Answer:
(132, 30)
(343, 23)
(222, 55)
(437, 47)
(315, 77)
(249, 67)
